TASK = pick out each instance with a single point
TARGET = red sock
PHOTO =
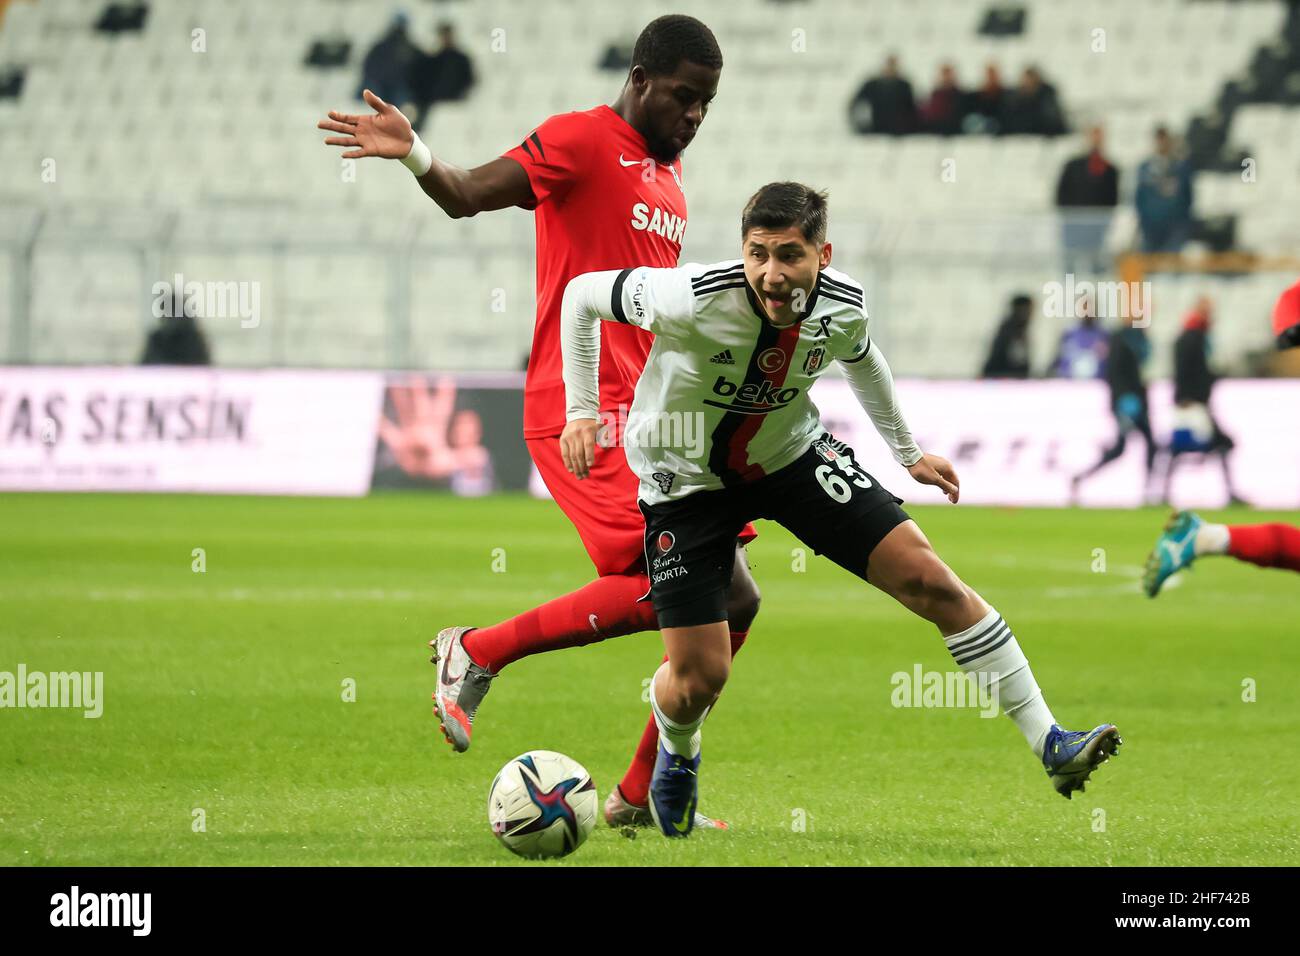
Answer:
(1268, 545)
(636, 782)
(607, 607)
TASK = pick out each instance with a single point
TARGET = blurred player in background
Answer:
(1127, 351)
(1187, 536)
(606, 187)
(1195, 429)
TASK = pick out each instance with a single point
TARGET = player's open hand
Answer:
(578, 446)
(386, 133)
(933, 470)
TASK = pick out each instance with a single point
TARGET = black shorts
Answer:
(823, 497)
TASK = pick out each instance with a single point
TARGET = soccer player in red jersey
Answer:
(606, 188)
(1187, 536)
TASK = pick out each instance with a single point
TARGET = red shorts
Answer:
(602, 506)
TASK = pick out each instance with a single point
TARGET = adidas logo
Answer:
(723, 358)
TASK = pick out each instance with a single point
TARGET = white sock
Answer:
(681, 739)
(990, 650)
(1211, 539)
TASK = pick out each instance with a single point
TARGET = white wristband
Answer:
(419, 160)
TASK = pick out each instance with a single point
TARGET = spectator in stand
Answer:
(445, 75)
(1082, 352)
(1164, 197)
(177, 340)
(386, 70)
(1009, 355)
(985, 105)
(1032, 107)
(945, 109)
(885, 103)
(1087, 194)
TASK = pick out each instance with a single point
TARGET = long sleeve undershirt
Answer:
(586, 301)
(873, 385)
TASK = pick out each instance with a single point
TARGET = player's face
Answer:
(782, 266)
(673, 106)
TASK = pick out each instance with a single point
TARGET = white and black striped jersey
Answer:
(724, 396)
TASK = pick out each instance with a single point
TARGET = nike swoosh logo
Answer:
(681, 826)
(446, 671)
(1172, 550)
(591, 619)
(624, 162)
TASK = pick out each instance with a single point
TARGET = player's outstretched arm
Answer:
(873, 385)
(387, 133)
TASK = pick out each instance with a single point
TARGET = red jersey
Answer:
(1286, 313)
(601, 203)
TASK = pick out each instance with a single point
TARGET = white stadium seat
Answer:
(222, 144)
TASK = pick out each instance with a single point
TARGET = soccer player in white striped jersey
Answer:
(722, 431)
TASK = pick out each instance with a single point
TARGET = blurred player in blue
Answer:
(1127, 352)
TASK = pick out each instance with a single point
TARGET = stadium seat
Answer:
(224, 143)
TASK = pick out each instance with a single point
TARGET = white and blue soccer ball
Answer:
(542, 804)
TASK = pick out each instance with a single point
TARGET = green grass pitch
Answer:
(223, 692)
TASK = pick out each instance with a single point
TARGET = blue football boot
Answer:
(1070, 756)
(674, 792)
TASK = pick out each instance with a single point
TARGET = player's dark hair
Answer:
(668, 40)
(782, 205)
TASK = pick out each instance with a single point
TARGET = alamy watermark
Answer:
(1072, 299)
(133, 911)
(682, 431)
(78, 690)
(922, 688)
(208, 300)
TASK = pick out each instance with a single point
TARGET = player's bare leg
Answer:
(905, 566)
(683, 690)
(628, 803)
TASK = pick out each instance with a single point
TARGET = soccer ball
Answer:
(542, 804)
